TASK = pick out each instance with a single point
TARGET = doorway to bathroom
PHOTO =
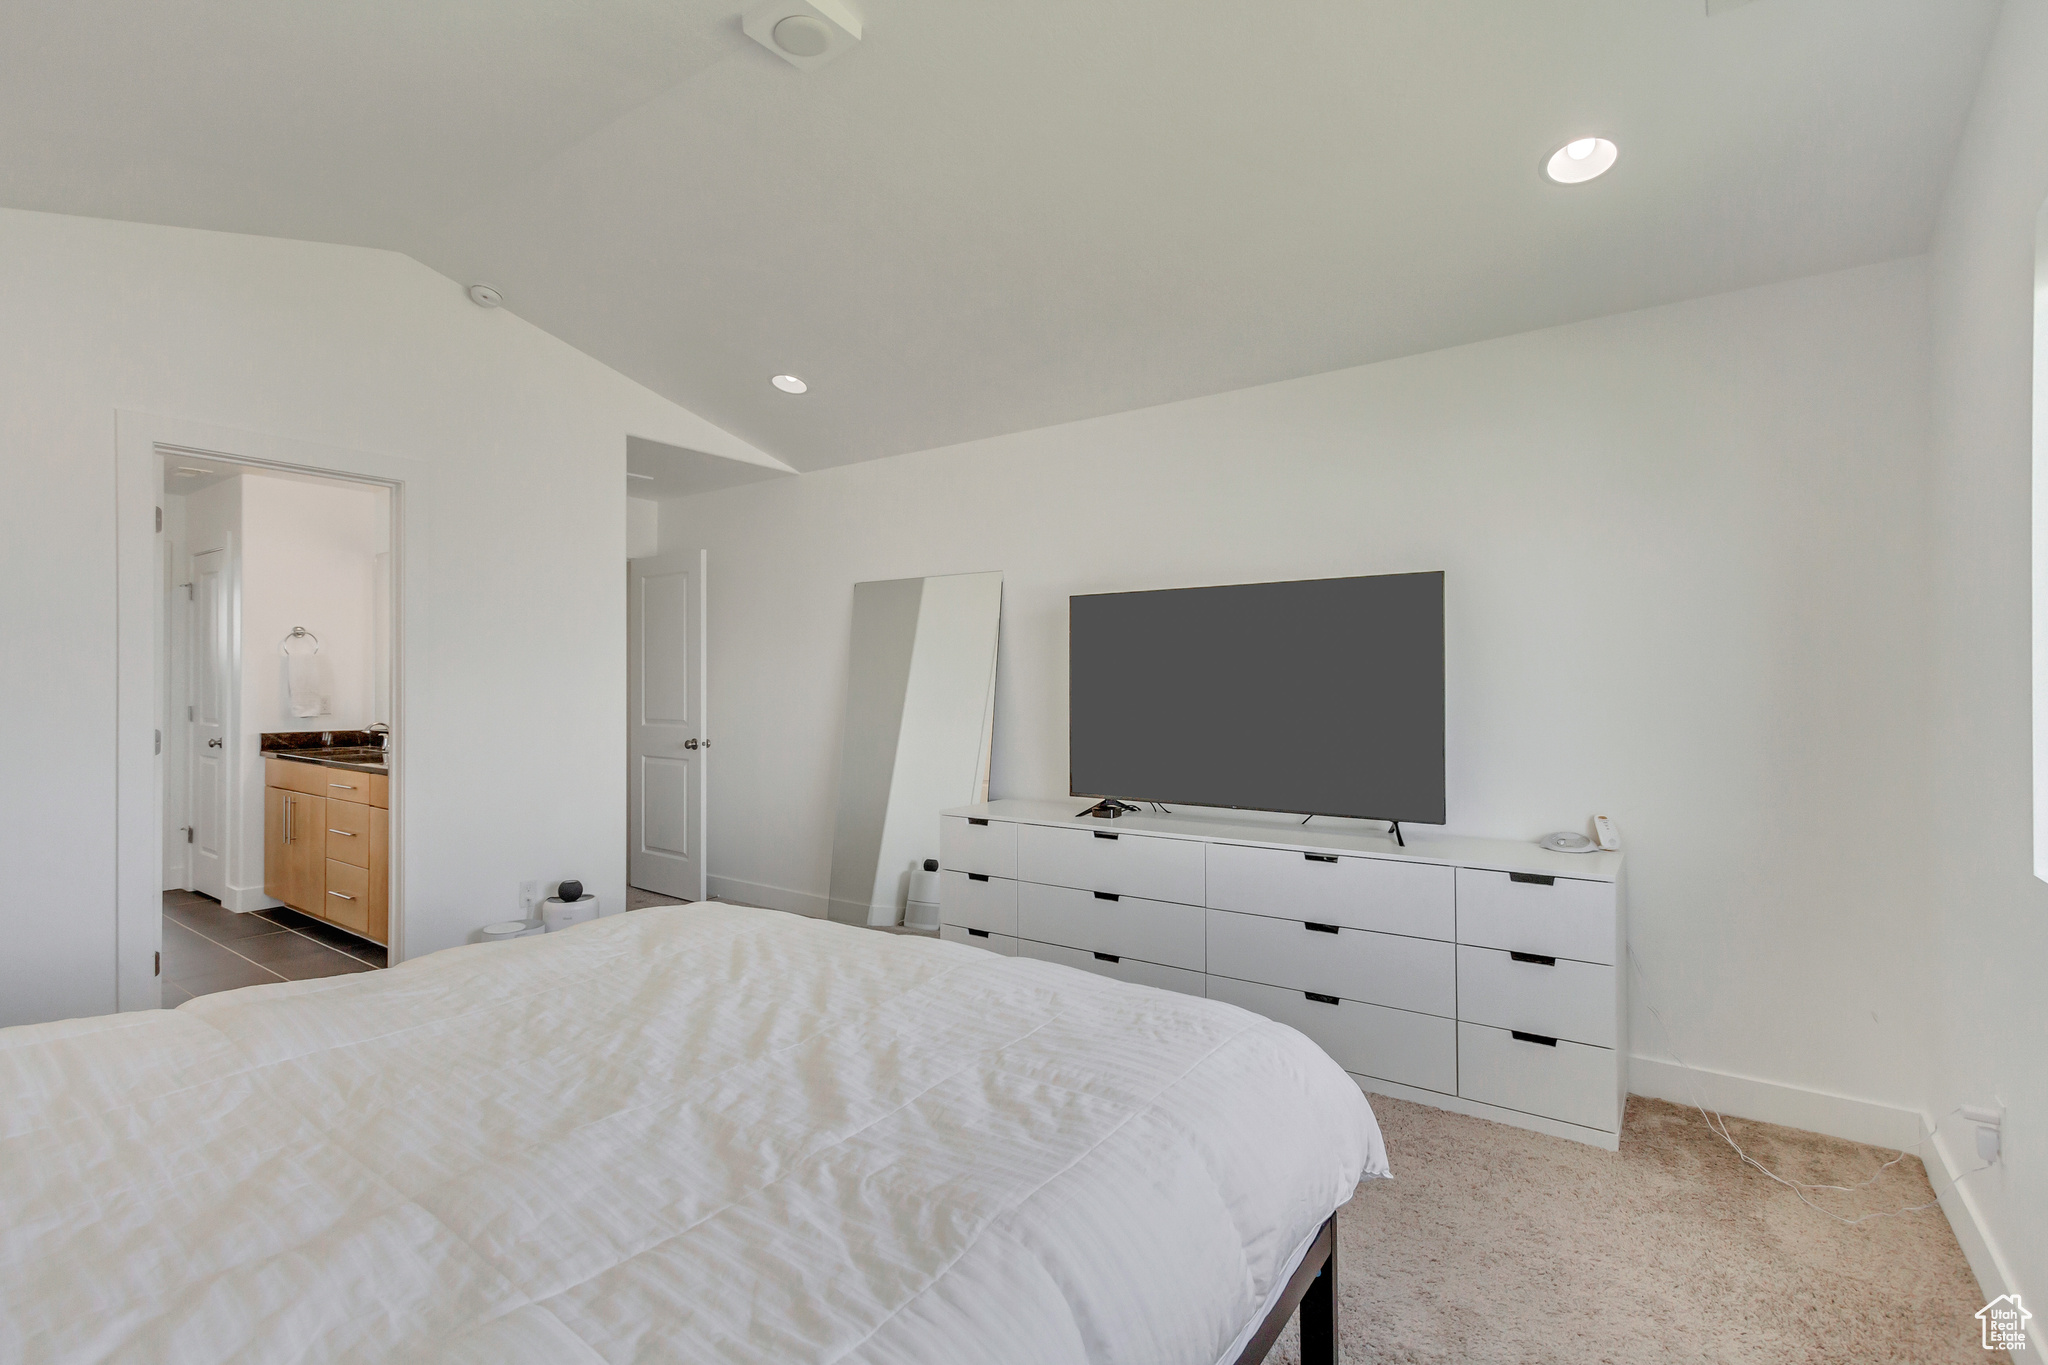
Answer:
(275, 675)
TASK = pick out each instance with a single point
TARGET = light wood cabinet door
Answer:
(295, 848)
(380, 877)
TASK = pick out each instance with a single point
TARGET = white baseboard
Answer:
(1813, 1111)
(1866, 1121)
(806, 903)
(248, 899)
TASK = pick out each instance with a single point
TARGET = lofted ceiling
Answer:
(992, 217)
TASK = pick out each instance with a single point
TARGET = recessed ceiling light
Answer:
(1579, 161)
(789, 383)
(800, 35)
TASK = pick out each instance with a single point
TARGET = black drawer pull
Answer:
(1103, 834)
(1321, 999)
(1315, 928)
(1107, 896)
(1522, 1037)
(983, 933)
(974, 821)
(1534, 959)
(1532, 879)
(1320, 857)
(1107, 957)
(977, 876)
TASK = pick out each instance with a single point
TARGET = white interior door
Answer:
(667, 743)
(212, 655)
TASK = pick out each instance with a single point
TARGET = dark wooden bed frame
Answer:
(1314, 1290)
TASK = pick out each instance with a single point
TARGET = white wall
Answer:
(1687, 583)
(1990, 914)
(308, 559)
(516, 759)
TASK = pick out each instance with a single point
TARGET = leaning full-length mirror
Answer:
(920, 719)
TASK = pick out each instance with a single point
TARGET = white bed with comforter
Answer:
(689, 1134)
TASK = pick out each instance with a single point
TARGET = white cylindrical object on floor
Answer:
(505, 930)
(922, 912)
(558, 914)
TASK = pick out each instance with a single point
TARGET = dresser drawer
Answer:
(1006, 944)
(348, 833)
(1106, 860)
(985, 846)
(1367, 1040)
(1562, 1080)
(1359, 893)
(1558, 917)
(347, 901)
(1553, 996)
(1379, 969)
(972, 901)
(340, 784)
(1123, 969)
(1101, 921)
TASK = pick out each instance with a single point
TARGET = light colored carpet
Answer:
(1492, 1244)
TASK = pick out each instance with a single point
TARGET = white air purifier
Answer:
(922, 912)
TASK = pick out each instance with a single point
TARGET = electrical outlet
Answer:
(529, 898)
(1990, 1124)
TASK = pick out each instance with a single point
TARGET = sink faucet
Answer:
(383, 732)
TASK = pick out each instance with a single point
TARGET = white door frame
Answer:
(139, 440)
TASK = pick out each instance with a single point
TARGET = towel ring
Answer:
(284, 645)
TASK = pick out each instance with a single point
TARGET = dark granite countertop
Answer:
(356, 750)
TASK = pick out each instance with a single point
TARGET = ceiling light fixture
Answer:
(805, 33)
(789, 383)
(1581, 160)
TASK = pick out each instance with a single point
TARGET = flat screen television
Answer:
(1323, 696)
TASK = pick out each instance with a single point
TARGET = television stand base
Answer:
(1108, 808)
(1394, 828)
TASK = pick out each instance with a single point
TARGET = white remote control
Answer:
(1604, 835)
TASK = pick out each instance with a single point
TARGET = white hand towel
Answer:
(302, 679)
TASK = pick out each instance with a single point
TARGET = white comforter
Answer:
(700, 1133)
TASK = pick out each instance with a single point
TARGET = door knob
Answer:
(690, 744)
(213, 744)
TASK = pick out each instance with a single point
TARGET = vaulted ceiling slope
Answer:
(989, 217)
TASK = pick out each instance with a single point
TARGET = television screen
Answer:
(1322, 697)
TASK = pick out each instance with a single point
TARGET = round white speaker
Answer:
(1566, 842)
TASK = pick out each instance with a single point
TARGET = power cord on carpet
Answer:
(1717, 1124)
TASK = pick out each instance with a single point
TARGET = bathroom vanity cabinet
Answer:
(327, 841)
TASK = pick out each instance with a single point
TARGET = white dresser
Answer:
(1478, 975)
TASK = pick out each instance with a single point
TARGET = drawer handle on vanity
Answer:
(347, 832)
(973, 821)
(1532, 879)
(1104, 834)
(977, 933)
(1107, 957)
(345, 786)
(1107, 896)
(1533, 959)
(1321, 999)
(1315, 928)
(1320, 857)
(338, 896)
(1538, 1038)
(977, 876)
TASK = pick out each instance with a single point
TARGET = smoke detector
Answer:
(804, 33)
(483, 296)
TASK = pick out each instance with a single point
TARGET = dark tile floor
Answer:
(209, 948)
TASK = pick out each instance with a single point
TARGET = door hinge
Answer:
(188, 590)
(159, 518)
(188, 834)
(159, 964)
(159, 741)
(188, 713)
